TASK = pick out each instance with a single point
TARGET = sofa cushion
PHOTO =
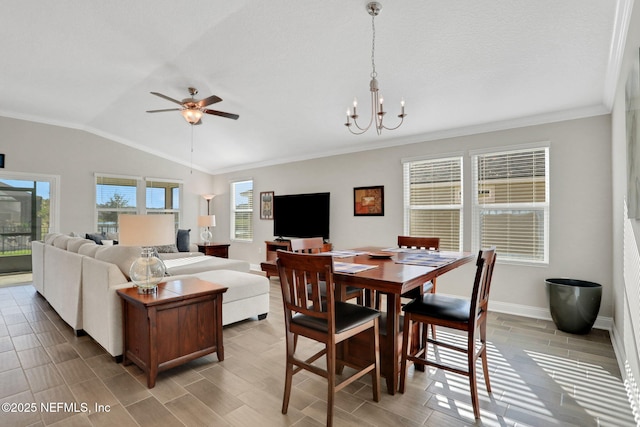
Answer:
(183, 240)
(122, 256)
(61, 241)
(75, 242)
(198, 264)
(89, 249)
(240, 285)
(50, 237)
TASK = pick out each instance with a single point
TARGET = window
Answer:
(163, 197)
(117, 195)
(114, 196)
(242, 210)
(511, 203)
(432, 200)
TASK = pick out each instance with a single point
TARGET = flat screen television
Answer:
(301, 215)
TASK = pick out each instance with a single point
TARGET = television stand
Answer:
(272, 247)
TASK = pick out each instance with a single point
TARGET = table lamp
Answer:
(146, 231)
(206, 221)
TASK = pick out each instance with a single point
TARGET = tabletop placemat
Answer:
(427, 259)
(347, 267)
(409, 250)
(343, 254)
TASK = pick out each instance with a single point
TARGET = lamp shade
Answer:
(207, 221)
(146, 230)
(192, 115)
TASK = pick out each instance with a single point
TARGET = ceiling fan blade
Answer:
(222, 114)
(208, 101)
(166, 97)
(161, 111)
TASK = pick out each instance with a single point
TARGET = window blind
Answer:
(511, 203)
(433, 202)
(242, 210)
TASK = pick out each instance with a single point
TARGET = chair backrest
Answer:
(482, 284)
(432, 243)
(311, 245)
(301, 278)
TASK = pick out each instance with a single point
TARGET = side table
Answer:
(182, 321)
(214, 249)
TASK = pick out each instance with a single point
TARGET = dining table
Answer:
(391, 272)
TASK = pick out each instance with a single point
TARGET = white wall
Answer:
(580, 195)
(75, 156)
(625, 341)
(580, 229)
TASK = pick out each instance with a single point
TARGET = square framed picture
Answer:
(368, 201)
(266, 205)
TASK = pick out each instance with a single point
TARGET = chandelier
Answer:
(377, 102)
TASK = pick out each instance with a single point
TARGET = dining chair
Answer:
(315, 245)
(427, 243)
(413, 242)
(468, 315)
(323, 319)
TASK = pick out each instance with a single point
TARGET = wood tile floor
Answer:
(539, 376)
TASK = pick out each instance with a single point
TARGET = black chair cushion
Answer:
(348, 316)
(440, 306)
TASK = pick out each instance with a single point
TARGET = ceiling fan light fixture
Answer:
(191, 115)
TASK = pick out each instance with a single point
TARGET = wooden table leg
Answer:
(391, 348)
(152, 357)
(218, 313)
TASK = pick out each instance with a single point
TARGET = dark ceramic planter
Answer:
(574, 304)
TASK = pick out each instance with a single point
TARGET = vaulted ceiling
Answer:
(291, 69)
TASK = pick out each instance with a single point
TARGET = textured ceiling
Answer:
(291, 69)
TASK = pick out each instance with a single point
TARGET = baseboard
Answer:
(602, 322)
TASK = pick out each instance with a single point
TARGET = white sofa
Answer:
(79, 279)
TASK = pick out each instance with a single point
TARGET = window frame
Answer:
(233, 229)
(141, 197)
(542, 208)
(54, 193)
(407, 163)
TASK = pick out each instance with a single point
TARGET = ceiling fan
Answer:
(192, 109)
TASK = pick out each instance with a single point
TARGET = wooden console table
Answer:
(180, 322)
(285, 245)
(214, 249)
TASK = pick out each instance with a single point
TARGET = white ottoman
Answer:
(247, 294)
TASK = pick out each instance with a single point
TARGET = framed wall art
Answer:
(266, 205)
(368, 201)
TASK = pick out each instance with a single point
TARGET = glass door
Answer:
(24, 216)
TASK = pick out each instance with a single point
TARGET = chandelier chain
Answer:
(374, 74)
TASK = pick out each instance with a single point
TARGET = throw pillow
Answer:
(96, 237)
(183, 240)
(166, 249)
